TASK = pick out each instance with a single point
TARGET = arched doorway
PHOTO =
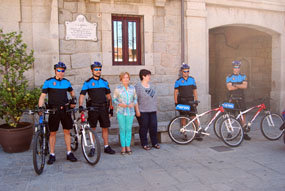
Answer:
(253, 48)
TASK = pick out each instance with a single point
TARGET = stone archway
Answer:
(267, 22)
(253, 48)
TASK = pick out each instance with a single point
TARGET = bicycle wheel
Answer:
(39, 152)
(217, 124)
(270, 126)
(182, 134)
(74, 139)
(90, 145)
(231, 132)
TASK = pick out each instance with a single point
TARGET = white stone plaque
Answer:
(81, 29)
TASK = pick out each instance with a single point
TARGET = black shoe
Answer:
(51, 159)
(71, 157)
(198, 137)
(92, 152)
(246, 129)
(246, 137)
(109, 150)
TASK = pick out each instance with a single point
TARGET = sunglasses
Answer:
(97, 69)
(186, 71)
(58, 70)
(236, 67)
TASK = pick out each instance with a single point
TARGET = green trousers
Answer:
(125, 124)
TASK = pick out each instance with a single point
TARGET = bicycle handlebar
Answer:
(45, 111)
(84, 109)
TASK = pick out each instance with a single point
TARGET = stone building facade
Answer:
(216, 32)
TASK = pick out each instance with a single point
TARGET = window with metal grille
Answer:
(126, 40)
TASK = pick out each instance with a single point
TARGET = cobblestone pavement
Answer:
(255, 165)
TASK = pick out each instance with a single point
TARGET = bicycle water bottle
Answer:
(82, 117)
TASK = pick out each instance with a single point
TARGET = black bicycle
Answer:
(41, 139)
(90, 143)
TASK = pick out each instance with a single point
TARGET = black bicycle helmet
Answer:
(184, 66)
(96, 64)
(59, 65)
(236, 63)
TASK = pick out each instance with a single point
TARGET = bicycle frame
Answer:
(83, 125)
(260, 108)
(198, 116)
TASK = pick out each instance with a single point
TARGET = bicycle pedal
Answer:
(204, 133)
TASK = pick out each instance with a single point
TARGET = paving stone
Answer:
(255, 165)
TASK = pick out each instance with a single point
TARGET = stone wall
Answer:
(253, 48)
(161, 34)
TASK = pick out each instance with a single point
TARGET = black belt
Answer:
(60, 107)
(236, 97)
(98, 105)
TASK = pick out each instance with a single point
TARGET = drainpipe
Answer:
(182, 32)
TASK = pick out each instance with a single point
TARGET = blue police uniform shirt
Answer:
(96, 89)
(186, 87)
(236, 79)
(57, 91)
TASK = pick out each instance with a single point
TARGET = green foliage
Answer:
(15, 95)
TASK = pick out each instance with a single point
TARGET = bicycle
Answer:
(89, 139)
(182, 129)
(282, 127)
(269, 124)
(41, 139)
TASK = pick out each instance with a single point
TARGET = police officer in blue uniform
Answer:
(236, 84)
(99, 97)
(185, 90)
(57, 88)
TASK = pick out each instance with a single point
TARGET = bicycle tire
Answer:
(74, 139)
(177, 135)
(217, 124)
(231, 126)
(97, 154)
(38, 150)
(271, 131)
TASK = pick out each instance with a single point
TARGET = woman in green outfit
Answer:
(125, 98)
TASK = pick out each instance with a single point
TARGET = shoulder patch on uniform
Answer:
(104, 79)
(89, 79)
(65, 79)
(191, 77)
(50, 78)
(230, 75)
(178, 79)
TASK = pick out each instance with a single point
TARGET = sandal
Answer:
(146, 147)
(129, 152)
(157, 146)
(123, 152)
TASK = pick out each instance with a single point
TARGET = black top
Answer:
(96, 89)
(186, 87)
(57, 91)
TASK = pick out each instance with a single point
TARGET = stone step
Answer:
(162, 133)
